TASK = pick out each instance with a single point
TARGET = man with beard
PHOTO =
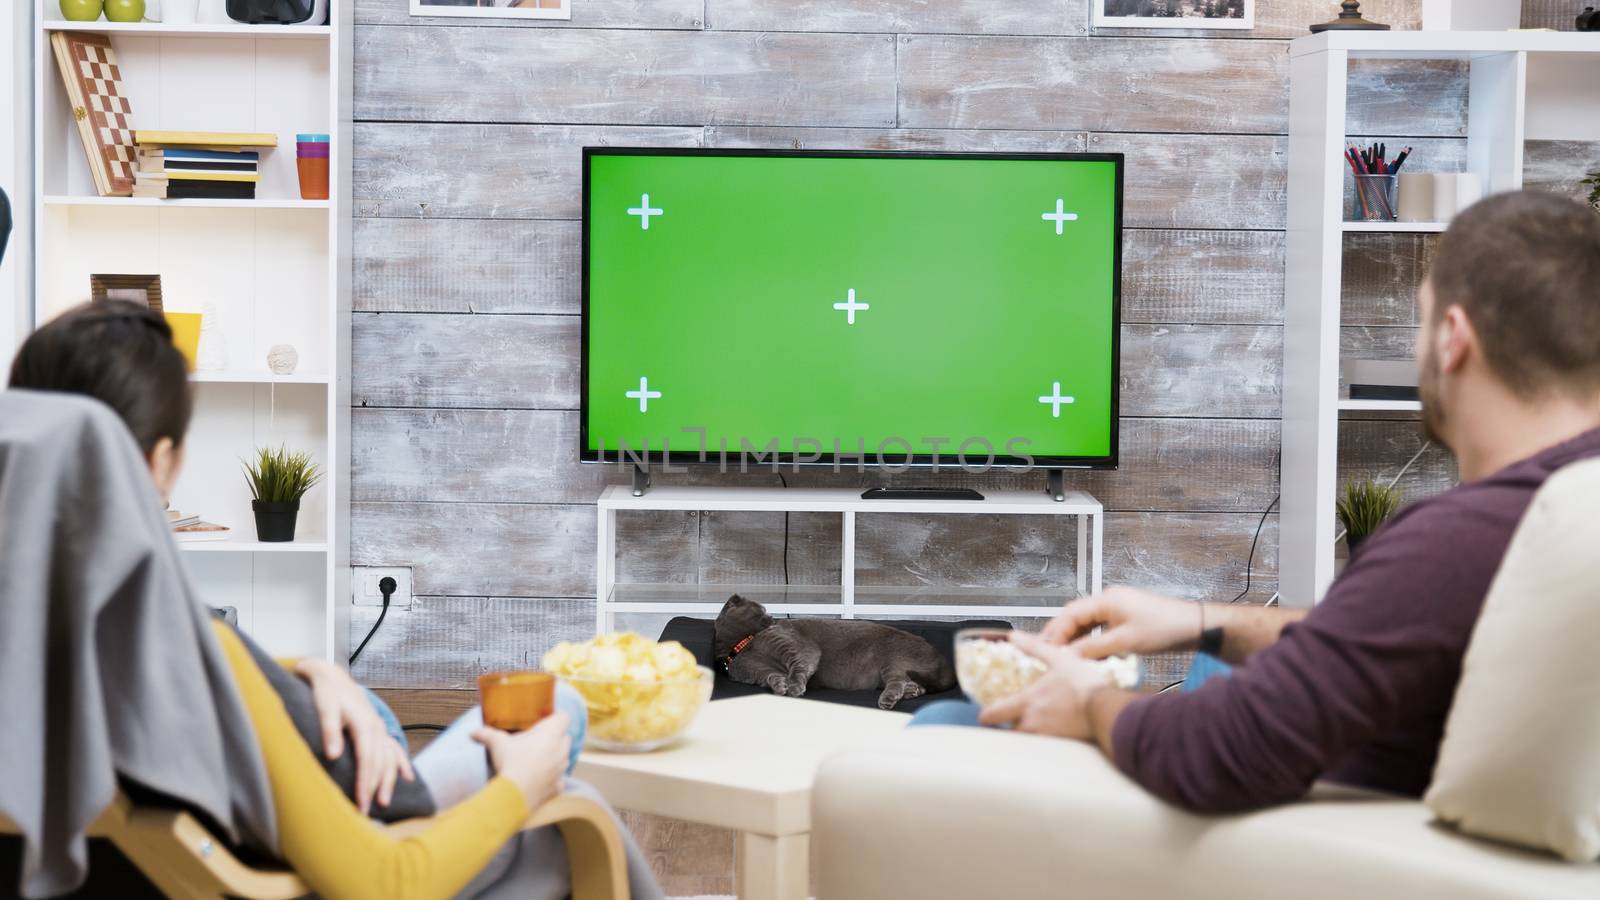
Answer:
(1356, 690)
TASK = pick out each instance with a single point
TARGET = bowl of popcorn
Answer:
(641, 694)
(990, 667)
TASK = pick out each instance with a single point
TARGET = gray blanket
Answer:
(108, 665)
(411, 799)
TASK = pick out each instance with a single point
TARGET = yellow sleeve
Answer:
(340, 853)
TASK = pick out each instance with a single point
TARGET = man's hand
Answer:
(1135, 621)
(342, 705)
(1056, 704)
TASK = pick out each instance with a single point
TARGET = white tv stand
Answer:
(845, 599)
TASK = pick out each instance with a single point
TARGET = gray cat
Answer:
(843, 654)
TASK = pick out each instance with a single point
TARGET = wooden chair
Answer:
(182, 858)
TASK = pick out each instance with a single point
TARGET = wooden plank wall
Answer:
(465, 337)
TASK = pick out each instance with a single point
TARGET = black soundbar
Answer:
(920, 493)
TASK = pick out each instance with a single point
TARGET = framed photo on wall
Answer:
(1196, 14)
(494, 9)
(144, 290)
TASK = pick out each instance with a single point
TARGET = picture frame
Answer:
(494, 9)
(1236, 15)
(144, 290)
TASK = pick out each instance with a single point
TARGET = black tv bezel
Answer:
(920, 460)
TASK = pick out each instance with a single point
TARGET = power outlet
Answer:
(364, 585)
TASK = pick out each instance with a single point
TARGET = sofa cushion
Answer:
(1520, 760)
(1045, 818)
(696, 636)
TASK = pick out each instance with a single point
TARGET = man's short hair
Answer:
(119, 353)
(1525, 267)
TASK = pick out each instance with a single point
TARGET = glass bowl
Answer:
(639, 716)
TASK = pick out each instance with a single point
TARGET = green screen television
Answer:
(850, 308)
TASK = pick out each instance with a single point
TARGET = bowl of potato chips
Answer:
(641, 694)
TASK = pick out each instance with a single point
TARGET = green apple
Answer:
(125, 10)
(80, 10)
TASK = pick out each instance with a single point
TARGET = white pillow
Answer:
(1520, 760)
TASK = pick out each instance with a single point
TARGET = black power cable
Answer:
(386, 586)
(1249, 564)
(1250, 560)
(785, 482)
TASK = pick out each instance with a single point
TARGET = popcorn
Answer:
(1121, 671)
(991, 670)
(640, 693)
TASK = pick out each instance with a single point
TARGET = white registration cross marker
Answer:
(1060, 215)
(644, 395)
(644, 212)
(1055, 400)
(850, 306)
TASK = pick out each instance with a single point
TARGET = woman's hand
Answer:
(534, 760)
(343, 706)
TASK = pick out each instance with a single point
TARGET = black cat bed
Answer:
(696, 635)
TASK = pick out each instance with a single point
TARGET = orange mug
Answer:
(516, 701)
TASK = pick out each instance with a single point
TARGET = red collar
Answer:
(737, 649)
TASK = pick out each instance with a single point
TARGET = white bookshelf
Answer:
(1395, 227)
(1348, 405)
(274, 270)
(200, 30)
(153, 203)
(262, 376)
(246, 546)
(1522, 85)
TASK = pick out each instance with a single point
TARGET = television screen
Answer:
(838, 307)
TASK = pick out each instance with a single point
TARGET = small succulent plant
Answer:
(278, 476)
(1363, 507)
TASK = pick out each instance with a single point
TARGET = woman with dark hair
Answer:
(122, 355)
(5, 223)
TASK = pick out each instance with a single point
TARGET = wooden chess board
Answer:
(105, 118)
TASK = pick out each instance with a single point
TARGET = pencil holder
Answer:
(1374, 198)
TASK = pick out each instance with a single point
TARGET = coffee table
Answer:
(745, 764)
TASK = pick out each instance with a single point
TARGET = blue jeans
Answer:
(568, 700)
(964, 713)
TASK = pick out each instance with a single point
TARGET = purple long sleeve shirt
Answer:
(1358, 691)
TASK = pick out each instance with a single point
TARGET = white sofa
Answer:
(933, 813)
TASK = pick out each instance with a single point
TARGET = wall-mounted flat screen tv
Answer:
(850, 308)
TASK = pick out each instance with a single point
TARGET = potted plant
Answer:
(278, 479)
(1593, 183)
(1363, 507)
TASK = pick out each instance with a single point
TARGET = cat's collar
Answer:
(738, 648)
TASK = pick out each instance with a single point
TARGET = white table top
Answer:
(746, 764)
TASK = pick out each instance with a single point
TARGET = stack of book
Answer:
(187, 529)
(211, 165)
